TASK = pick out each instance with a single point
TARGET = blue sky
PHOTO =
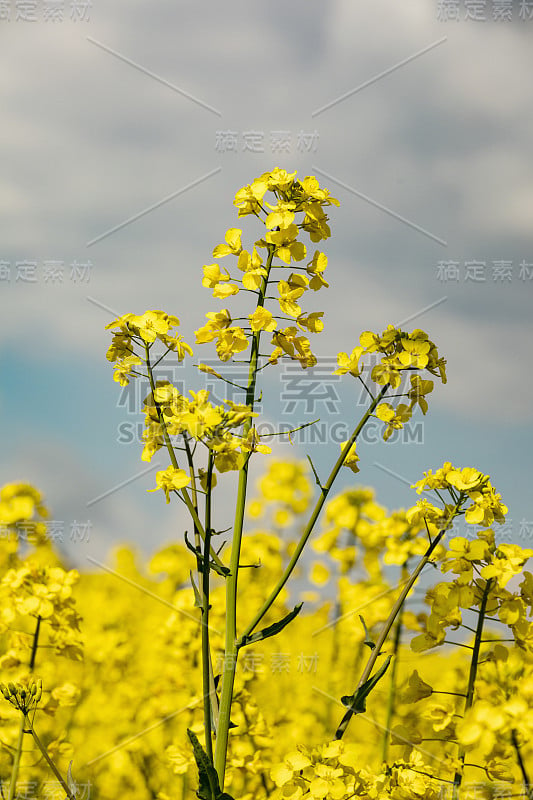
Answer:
(125, 137)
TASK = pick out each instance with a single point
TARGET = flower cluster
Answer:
(501, 718)
(299, 206)
(44, 593)
(169, 413)
(467, 487)
(22, 507)
(482, 571)
(331, 770)
(400, 352)
(334, 771)
(494, 732)
(25, 698)
(142, 330)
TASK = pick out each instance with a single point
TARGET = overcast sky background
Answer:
(422, 128)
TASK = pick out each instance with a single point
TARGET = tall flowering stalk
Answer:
(482, 571)
(278, 270)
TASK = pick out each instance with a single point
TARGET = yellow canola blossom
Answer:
(171, 480)
(284, 226)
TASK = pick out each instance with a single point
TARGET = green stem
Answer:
(16, 761)
(208, 684)
(391, 699)
(210, 704)
(324, 491)
(474, 663)
(18, 748)
(231, 645)
(334, 658)
(394, 613)
(48, 759)
(34, 645)
(203, 565)
(194, 494)
(174, 461)
(525, 777)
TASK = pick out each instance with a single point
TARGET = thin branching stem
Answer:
(184, 494)
(324, 491)
(42, 748)
(210, 701)
(18, 747)
(231, 644)
(525, 775)
(393, 614)
(391, 698)
(474, 663)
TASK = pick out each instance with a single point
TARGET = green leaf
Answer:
(231, 724)
(273, 629)
(73, 789)
(368, 641)
(208, 785)
(357, 701)
(218, 568)
(197, 596)
(191, 547)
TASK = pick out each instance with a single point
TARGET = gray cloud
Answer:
(89, 141)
